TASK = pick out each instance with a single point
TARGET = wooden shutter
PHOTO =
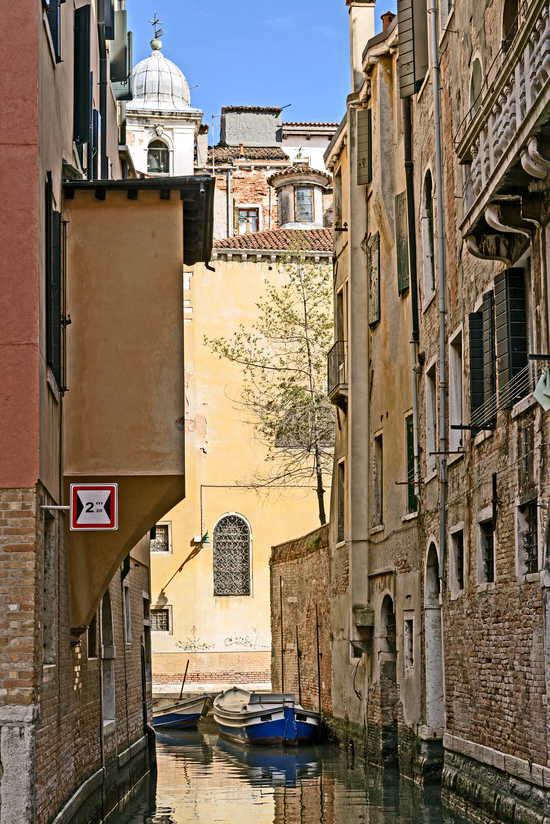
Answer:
(53, 284)
(364, 146)
(476, 361)
(118, 49)
(82, 71)
(373, 266)
(402, 242)
(489, 375)
(511, 331)
(413, 45)
(53, 13)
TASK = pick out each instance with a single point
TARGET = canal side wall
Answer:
(300, 620)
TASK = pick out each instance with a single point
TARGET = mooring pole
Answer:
(184, 678)
(318, 657)
(282, 636)
(298, 668)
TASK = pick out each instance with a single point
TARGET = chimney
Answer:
(361, 29)
(387, 20)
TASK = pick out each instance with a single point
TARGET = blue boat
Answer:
(264, 718)
(180, 715)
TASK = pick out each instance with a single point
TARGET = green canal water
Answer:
(204, 780)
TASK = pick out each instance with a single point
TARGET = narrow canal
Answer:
(205, 780)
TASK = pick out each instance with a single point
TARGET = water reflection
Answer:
(205, 780)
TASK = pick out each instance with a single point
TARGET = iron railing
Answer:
(517, 388)
(337, 368)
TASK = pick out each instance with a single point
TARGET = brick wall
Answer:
(52, 706)
(300, 585)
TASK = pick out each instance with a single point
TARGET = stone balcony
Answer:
(503, 142)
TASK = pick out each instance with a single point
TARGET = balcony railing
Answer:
(519, 387)
(338, 373)
(507, 107)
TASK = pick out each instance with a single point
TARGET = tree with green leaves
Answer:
(283, 356)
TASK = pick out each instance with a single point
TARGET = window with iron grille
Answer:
(231, 556)
(303, 204)
(160, 619)
(528, 538)
(160, 538)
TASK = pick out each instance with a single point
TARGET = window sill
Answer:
(523, 406)
(375, 530)
(488, 586)
(481, 437)
(456, 594)
(340, 544)
(446, 29)
(530, 578)
(410, 516)
(452, 459)
(430, 476)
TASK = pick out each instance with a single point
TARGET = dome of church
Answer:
(159, 84)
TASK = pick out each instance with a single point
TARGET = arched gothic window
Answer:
(232, 556)
(428, 235)
(158, 158)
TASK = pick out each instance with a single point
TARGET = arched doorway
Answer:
(388, 680)
(435, 700)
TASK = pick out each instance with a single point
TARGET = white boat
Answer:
(264, 718)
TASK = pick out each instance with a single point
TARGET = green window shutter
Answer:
(402, 242)
(373, 266)
(489, 374)
(413, 45)
(476, 361)
(82, 71)
(511, 332)
(364, 146)
(53, 284)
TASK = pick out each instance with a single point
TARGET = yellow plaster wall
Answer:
(223, 455)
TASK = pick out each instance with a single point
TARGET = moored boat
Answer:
(180, 715)
(264, 718)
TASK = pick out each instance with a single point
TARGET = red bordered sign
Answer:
(94, 507)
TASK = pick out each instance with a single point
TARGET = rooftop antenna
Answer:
(156, 42)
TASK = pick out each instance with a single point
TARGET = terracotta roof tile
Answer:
(299, 169)
(225, 153)
(304, 240)
(312, 123)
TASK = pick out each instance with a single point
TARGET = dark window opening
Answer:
(83, 80)
(457, 540)
(528, 537)
(487, 550)
(412, 501)
(509, 23)
(53, 266)
(53, 13)
(341, 524)
(92, 638)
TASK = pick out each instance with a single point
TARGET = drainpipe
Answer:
(229, 181)
(411, 225)
(441, 259)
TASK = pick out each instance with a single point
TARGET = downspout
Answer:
(441, 259)
(229, 215)
(411, 226)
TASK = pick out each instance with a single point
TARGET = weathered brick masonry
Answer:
(300, 619)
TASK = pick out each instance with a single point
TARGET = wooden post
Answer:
(282, 635)
(184, 679)
(298, 668)
(318, 657)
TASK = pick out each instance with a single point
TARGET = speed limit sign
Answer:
(94, 507)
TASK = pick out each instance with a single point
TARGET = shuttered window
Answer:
(53, 13)
(413, 45)
(489, 365)
(53, 284)
(364, 146)
(511, 333)
(476, 361)
(412, 502)
(82, 125)
(341, 522)
(373, 265)
(402, 242)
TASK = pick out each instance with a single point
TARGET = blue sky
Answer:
(262, 53)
